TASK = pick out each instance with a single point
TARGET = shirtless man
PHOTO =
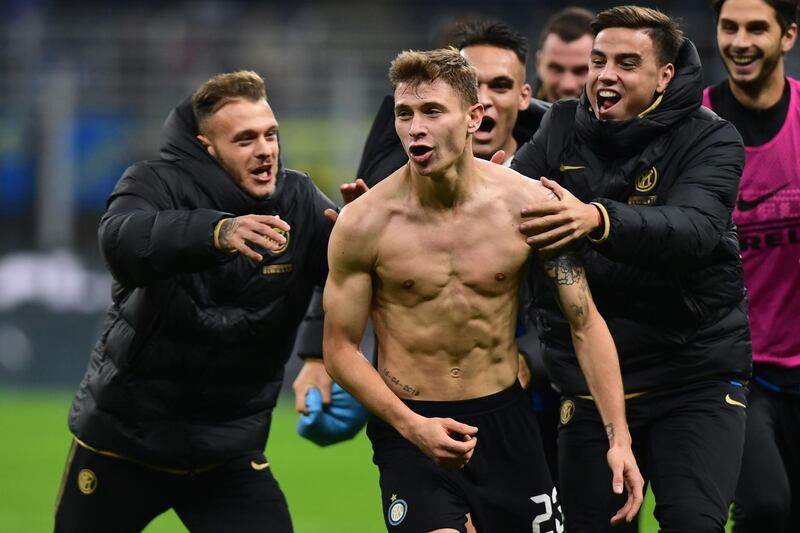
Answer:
(444, 305)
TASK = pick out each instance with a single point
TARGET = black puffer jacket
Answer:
(190, 362)
(668, 277)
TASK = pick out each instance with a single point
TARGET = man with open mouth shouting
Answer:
(764, 105)
(453, 433)
(215, 249)
(654, 177)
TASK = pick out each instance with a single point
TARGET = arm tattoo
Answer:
(610, 431)
(563, 269)
(579, 309)
(228, 228)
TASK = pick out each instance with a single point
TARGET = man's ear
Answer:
(787, 41)
(206, 144)
(665, 75)
(525, 97)
(475, 117)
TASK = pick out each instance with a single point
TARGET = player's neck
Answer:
(764, 96)
(448, 188)
(510, 147)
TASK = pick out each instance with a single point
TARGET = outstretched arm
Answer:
(598, 359)
(347, 298)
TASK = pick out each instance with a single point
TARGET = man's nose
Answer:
(484, 96)
(263, 147)
(571, 85)
(742, 39)
(416, 127)
(608, 74)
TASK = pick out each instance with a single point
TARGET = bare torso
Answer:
(446, 283)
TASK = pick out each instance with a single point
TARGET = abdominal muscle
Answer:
(455, 347)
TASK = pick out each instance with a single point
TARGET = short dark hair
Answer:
(666, 35)
(491, 33)
(446, 64)
(786, 11)
(223, 88)
(570, 24)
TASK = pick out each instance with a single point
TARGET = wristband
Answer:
(605, 225)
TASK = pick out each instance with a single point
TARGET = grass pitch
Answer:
(331, 490)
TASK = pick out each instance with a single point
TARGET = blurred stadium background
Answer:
(84, 88)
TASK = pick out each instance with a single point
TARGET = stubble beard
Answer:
(753, 87)
(231, 172)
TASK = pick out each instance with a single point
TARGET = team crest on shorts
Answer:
(87, 481)
(567, 410)
(398, 510)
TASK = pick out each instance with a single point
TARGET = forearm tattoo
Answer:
(228, 228)
(610, 431)
(399, 384)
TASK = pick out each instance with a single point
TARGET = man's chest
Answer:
(423, 259)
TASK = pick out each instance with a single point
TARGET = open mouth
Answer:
(484, 131)
(606, 99)
(743, 61)
(262, 172)
(420, 153)
(487, 125)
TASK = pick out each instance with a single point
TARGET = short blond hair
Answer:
(222, 89)
(415, 67)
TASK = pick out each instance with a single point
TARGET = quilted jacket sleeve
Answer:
(143, 237)
(696, 214)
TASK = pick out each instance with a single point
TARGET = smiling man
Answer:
(764, 105)
(453, 433)
(655, 177)
(562, 61)
(215, 250)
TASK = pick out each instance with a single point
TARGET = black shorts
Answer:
(506, 486)
(688, 444)
(102, 493)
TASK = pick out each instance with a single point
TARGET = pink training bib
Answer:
(767, 215)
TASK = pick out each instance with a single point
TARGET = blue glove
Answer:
(340, 421)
